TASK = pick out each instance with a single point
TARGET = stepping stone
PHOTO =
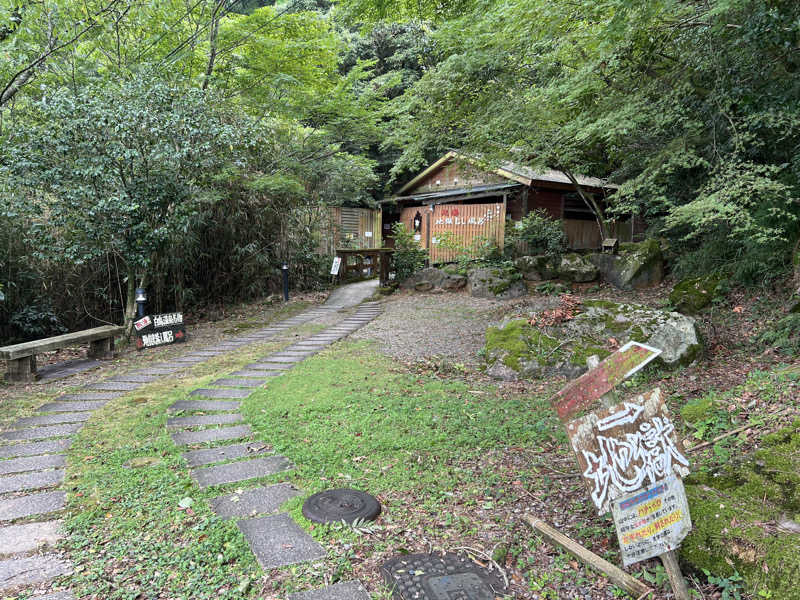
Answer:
(206, 353)
(34, 448)
(240, 471)
(31, 481)
(221, 393)
(278, 541)
(206, 456)
(91, 396)
(270, 366)
(72, 406)
(54, 419)
(115, 386)
(31, 570)
(31, 537)
(198, 420)
(186, 438)
(38, 433)
(230, 382)
(198, 405)
(135, 378)
(55, 596)
(32, 504)
(279, 358)
(165, 369)
(32, 463)
(255, 373)
(258, 501)
(189, 360)
(347, 590)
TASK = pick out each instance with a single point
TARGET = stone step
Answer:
(164, 369)
(33, 504)
(54, 419)
(185, 438)
(256, 373)
(187, 360)
(199, 420)
(207, 456)
(232, 382)
(221, 393)
(30, 537)
(278, 358)
(39, 433)
(36, 480)
(278, 541)
(269, 366)
(72, 406)
(55, 596)
(347, 590)
(34, 448)
(83, 396)
(32, 463)
(240, 471)
(31, 570)
(205, 405)
(135, 378)
(258, 501)
(115, 386)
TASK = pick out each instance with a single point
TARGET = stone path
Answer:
(275, 539)
(32, 459)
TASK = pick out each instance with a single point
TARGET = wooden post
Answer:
(617, 576)
(676, 580)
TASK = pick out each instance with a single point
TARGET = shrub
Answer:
(536, 233)
(408, 256)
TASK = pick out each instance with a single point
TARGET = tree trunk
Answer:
(212, 42)
(590, 202)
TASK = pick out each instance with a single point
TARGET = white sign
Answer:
(158, 338)
(167, 320)
(652, 521)
(337, 262)
(142, 323)
(417, 237)
(367, 234)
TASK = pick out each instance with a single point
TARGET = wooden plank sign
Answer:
(651, 521)
(337, 262)
(626, 447)
(582, 393)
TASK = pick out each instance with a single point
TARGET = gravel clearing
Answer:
(451, 327)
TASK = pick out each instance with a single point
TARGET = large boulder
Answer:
(576, 268)
(537, 268)
(691, 295)
(495, 282)
(636, 265)
(565, 346)
(429, 279)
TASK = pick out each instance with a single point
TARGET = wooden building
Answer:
(346, 227)
(459, 195)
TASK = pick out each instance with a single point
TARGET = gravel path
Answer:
(449, 326)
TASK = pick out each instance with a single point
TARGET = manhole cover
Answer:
(334, 506)
(435, 577)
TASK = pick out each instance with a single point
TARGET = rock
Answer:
(691, 295)
(537, 268)
(502, 372)
(570, 347)
(576, 268)
(636, 265)
(494, 282)
(431, 278)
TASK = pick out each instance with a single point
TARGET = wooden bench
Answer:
(21, 358)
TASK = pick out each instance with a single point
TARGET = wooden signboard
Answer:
(582, 393)
(337, 263)
(626, 447)
(159, 330)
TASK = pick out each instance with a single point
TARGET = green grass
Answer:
(346, 417)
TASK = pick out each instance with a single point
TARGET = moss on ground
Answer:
(691, 295)
(737, 511)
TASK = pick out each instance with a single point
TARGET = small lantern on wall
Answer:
(610, 246)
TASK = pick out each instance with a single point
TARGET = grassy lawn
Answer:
(347, 417)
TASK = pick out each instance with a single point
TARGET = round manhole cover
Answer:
(335, 506)
(437, 577)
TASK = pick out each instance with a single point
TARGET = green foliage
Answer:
(408, 257)
(35, 321)
(536, 233)
(784, 335)
(482, 251)
(731, 587)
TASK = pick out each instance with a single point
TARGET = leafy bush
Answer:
(408, 256)
(784, 335)
(36, 321)
(536, 233)
(481, 251)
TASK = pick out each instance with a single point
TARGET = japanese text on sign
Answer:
(651, 521)
(167, 320)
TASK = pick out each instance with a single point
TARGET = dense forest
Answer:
(193, 146)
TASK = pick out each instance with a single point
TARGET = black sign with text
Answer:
(159, 330)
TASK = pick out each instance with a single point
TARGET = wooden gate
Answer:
(455, 225)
